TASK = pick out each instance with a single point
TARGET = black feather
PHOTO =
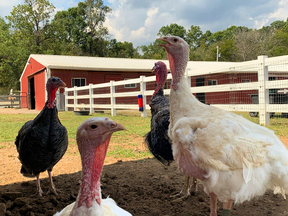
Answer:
(157, 138)
(42, 142)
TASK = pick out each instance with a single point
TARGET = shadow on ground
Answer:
(141, 187)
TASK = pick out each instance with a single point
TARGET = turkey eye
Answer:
(175, 40)
(94, 126)
(53, 79)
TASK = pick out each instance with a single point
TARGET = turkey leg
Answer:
(52, 186)
(39, 190)
(227, 208)
(213, 204)
(185, 192)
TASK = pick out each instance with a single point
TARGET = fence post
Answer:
(58, 99)
(113, 101)
(188, 77)
(66, 98)
(263, 93)
(91, 98)
(75, 97)
(143, 90)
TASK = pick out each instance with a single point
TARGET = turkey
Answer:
(157, 138)
(42, 142)
(235, 158)
(93, 137)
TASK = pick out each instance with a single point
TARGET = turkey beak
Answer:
(165, 39)
(60, 83)
(117, 127)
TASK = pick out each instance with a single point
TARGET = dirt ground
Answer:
(141, 187)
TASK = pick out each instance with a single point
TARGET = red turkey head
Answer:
(52, 86)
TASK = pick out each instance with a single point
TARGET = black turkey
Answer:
(42, 142)
(157, 138)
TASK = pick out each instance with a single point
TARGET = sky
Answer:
(138, 21)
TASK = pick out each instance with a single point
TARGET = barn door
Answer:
(31, 93)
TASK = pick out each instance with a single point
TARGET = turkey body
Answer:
(236, 158)
(157, 138)
(41, 142)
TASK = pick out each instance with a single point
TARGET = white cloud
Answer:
(139, 21)
(6, 6)
(281, 13)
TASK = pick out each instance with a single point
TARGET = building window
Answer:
(78, 82)
(212, 82)
(245, 80)
(131, 85)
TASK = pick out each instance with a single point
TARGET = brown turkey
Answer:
(42, 142)
(157, 138)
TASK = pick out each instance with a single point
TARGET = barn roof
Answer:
(111, 64)
(108, 64)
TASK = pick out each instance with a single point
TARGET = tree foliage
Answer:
(34, 27)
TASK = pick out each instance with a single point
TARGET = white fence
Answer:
(264, 67)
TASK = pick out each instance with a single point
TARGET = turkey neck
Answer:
(92, 159)
(182, 101)
(160, 80)
(51, 97)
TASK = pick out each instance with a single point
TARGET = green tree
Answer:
(153, 51)
(13, 56)
(121, 49)
(83, 26)
(279, 43)
(32, 21)
(172, 29)
(194, 35)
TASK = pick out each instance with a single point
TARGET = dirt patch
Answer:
(17, 111)
(142, 187)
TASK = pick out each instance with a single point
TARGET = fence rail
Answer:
(263, 68)
(13, 100)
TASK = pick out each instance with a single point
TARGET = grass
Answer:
(119, 152)
(136, 127)
(278, 124)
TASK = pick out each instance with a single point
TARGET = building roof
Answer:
(109, 64)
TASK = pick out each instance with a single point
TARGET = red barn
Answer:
(82, 70)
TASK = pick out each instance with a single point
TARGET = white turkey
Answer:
(235, 158)
(93, 137)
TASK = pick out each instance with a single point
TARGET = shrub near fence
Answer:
(228, 88)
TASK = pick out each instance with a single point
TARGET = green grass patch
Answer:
(118, 152)
(277, 123)
(136, 126)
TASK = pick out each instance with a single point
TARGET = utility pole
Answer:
(217, 53)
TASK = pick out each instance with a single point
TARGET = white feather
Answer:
(108, 208)
(242, 159)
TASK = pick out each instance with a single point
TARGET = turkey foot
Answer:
(185, 192)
